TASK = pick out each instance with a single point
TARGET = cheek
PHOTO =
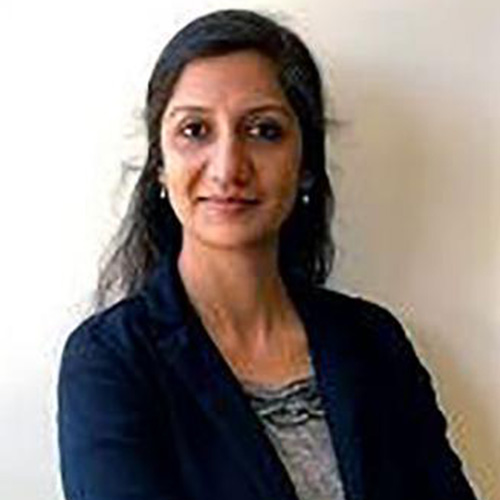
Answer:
(289, 175)
(289, 192)
(181, 173)
(177, 184)
(182, 184)
(282, 190)
(289, 183)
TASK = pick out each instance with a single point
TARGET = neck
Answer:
(239, 294)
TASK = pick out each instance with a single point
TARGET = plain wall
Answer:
(416, 171)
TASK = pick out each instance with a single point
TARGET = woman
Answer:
(226, 372)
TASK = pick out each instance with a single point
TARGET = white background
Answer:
(417, 180)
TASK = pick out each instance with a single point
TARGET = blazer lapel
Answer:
(190, 351)
(340, 376)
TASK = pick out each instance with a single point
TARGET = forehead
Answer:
(238, 78)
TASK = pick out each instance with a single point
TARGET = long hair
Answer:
(150, 231)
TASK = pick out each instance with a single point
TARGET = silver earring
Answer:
(306, 183)
(163, 193)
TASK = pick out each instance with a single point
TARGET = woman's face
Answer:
(231, 149)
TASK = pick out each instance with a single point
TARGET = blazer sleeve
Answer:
(438, 470)
(107, 442)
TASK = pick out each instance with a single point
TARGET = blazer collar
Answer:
(341, 376)
(185, 345)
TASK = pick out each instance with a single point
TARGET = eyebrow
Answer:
(251, 110)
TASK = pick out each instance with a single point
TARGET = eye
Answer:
(265, 130)
(196, 130)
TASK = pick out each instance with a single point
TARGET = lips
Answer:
(224, 208)
(229, 200)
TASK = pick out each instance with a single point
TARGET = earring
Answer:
(163, 193)
(306, 183)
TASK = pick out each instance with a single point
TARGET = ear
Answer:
(162, 175)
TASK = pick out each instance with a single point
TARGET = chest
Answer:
(273, 363)
(219, 448)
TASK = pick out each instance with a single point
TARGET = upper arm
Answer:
(109, 447)
(437, 468)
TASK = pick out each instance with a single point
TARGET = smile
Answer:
(229, 201)
(226, 207)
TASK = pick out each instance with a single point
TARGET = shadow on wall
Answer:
(415, 225)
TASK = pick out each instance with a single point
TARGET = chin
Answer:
(236, 238)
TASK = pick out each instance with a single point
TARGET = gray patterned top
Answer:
(295, 423)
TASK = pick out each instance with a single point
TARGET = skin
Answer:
(231, 149)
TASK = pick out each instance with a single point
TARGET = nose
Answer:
(230, 163)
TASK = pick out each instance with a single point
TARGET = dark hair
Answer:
(150, 230)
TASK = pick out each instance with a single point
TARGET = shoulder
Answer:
(374, 339)
(109, 361)
(113, 327)
(365, 327)
(353, 311)
(115, 342)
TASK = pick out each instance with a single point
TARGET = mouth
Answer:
(228, 206)
(229, 200)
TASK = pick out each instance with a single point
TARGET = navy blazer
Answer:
(150, 410)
